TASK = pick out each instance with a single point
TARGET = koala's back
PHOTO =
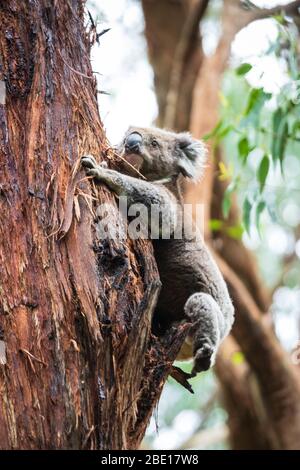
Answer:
(186, 267)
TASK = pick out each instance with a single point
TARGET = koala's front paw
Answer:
(94, 169)
(88, 161)
(203, 358)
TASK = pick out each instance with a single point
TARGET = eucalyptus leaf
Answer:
(247, 209)
(235, 231)
(258, 211)
(243, 149)
(223, 132)
(215, 225)
(214, 132)
(243, 69)
(279, 136)
(256, 101)
(226, 203)
(263, 171)
(282, 141)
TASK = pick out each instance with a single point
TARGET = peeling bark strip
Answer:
(79, 367)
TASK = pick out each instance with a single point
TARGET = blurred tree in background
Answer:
(251, 193)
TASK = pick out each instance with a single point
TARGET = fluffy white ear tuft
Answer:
(193, 154)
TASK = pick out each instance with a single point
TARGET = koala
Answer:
(193, 288)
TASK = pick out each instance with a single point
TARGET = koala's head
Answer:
(157, 153)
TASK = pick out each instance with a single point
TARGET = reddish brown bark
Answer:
(82, 369)
(277, 379)
(177, 38)
(239, 386)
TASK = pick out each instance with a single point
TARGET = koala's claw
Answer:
(95, 172)
(88, 161)
(203, 358)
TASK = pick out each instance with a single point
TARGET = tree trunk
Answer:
(270, 407)
(81, 368)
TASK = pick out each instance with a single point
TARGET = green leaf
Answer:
(263, 171)
(219, 131)
(279, 18)
(223, 132)
(256, 100)
(282, 141)
(258, 211)
(295, 129)
(243, 69)
(215, 225)
(247, 207)
(277, 117)
(225, 172)
(271, 208)
(226, 203)
(214, 132)
(280, 135)
(235, 231)
(252, 100)
(237, 358)
(244, 149)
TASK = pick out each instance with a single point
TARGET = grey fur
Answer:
(192, 285)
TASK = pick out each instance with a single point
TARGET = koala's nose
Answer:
(133, 142)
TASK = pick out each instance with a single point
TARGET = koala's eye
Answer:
(154, 143)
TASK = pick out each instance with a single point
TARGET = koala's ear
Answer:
(192, 156)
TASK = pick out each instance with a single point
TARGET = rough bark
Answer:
(82, 368)
(266, 364)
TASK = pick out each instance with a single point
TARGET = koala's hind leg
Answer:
(206, 332)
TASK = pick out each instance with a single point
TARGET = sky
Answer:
(122, 59)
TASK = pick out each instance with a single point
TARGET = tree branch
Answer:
(256, 13)
(189, 31)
